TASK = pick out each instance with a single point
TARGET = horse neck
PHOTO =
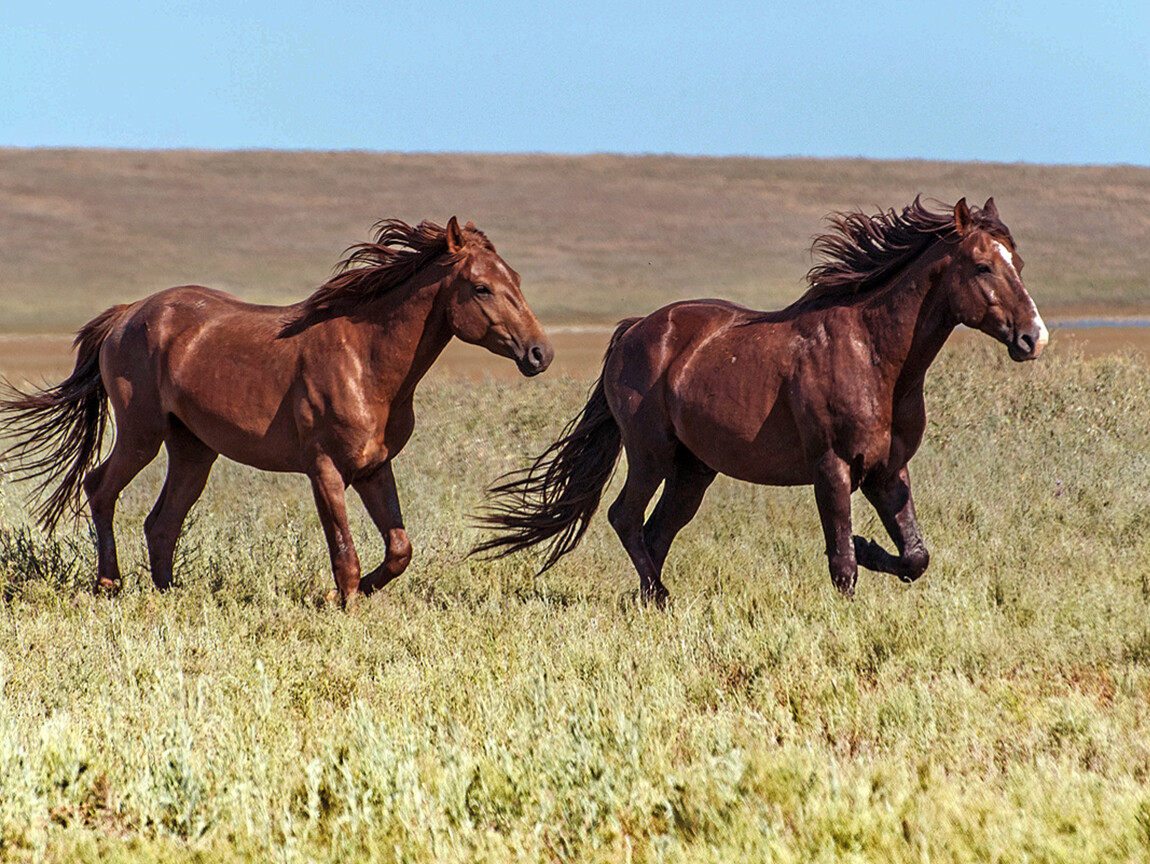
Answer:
(406, 331)
(910, 327)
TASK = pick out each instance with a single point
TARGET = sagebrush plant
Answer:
(997, 710)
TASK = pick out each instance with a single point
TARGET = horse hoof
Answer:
(657, 597)
(105, 587)
(348, 603)
(846, 588)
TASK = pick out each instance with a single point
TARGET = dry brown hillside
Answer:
(595, 237)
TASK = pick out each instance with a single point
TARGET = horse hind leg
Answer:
(683, 492)
(103, 485)
(189, 464)
(626, 517)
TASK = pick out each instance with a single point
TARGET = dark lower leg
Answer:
(381, 500)
(833, 497)
(891, 498)
(187, 475)
(626, 517)
(682, 494)
(103, 486)
(328, 488)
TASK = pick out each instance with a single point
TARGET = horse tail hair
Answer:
(59, 431)
(554, 498)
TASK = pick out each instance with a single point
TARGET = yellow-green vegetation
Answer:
(997, 711)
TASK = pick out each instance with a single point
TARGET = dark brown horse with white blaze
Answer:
(322, 387)
(828, 391)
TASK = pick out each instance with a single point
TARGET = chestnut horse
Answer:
(322, 387)
(828, 391)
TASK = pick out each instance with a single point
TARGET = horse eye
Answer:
(983, 269)
(482, 289)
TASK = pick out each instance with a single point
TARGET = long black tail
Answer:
(59, 431)
(554, 499)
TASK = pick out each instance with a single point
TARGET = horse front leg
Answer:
(832, 481)
(381, 499)
(890, 496)
(329, 489)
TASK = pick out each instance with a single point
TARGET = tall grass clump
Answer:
(998, 710)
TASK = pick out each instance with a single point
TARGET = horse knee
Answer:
(398, 552)
(916, 559)
(614, 515)
(91, 484)
(92, 481)
(150, 525)
(844, 573)
(159, 538)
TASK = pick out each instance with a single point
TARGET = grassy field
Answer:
(998, 710)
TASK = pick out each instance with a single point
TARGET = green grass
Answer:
(998, 710)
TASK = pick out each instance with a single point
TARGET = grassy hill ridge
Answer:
(595, 237)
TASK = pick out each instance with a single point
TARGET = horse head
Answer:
(485, 306)
(984, 283)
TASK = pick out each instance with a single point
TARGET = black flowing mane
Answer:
(861, 253)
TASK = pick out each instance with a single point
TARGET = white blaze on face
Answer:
(1043, 333)
(1005, 254)
(508, 276)
(502, 271)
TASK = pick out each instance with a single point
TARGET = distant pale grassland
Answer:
(999, 710)
(595, 237)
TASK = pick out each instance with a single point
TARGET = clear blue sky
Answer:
(1043, 81)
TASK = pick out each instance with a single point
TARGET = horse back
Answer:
(210, 360)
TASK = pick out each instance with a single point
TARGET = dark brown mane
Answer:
(397, 252)
(861, 253)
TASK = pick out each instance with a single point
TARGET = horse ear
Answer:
(454, 236)
(990, 209)
(962, 218)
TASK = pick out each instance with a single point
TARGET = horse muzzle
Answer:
(1026, 343)
(535, 358)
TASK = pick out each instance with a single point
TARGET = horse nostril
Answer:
(1027, 342)
(538, 357)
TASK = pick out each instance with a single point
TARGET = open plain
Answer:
(997, 710)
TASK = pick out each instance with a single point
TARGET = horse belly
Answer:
(762, 447)
(740, 423)
(236, 398)
(263, 443)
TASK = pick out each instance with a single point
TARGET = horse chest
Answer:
(374, 443)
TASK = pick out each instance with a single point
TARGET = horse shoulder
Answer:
(842, 398)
